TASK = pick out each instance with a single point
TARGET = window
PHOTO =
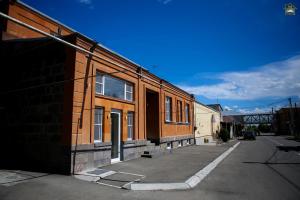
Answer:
(130, 120)
(187, 113)
(179, 111)
(128, 91)
(113, 87)
(169, 145)
(180, 143)
(99, 83)
(98, 128)
(168, 109)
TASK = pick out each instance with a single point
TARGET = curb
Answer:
(190, 183)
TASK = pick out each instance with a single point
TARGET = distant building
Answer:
(282, 121)
(233, 124)
(207, 123)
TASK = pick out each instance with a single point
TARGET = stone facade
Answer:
(133, 149)
(90, 156)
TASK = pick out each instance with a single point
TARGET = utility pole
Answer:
(291, 118)
(272, 119)
(296, 125)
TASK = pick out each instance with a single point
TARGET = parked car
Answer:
(249, 135)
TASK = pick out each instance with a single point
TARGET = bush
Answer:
(264, 128)
(224, 135)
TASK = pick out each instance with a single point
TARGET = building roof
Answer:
(217, 107)
(208, 107)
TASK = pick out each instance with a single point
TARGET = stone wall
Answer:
(90, 156)
(133, 149)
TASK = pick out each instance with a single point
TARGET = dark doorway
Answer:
(152, 116)
(115, 135)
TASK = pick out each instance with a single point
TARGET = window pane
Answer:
(187, 112)
(168, 108)
(98, 124)
(128, 96)
(129, 91)
(130, 119)
(99, 83)
(96, 133)
(129, 87)
(99, 88)
(99, 77)
(130, 132)
(114, 87)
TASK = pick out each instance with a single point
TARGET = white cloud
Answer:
(227, 108)
(277, 79)
(87, 2)
(255, 110)
(165, 2)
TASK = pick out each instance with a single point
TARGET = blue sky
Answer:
(242, 54)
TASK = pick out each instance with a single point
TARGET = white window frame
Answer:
(100, 123)
(130, 125)
(168, 112)
(130, 92)
(126, 86)
(103, 82)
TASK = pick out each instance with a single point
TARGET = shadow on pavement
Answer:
(12, 177)
(269, 165)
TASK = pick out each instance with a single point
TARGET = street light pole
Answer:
(291, 118)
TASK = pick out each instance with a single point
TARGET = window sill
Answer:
(177, 123)
(101, 144)
(115, 99)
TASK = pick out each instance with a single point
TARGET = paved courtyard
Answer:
(254, 170)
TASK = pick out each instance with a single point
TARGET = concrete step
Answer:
(147, 156)
(155, 153)
(149, 143)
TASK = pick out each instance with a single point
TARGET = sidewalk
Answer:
(176, 167)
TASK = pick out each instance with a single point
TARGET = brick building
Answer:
(282, 121)
(64, 110)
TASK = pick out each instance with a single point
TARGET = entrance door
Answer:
(152, 116)
(115, 135)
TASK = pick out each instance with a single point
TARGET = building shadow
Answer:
(269, 164)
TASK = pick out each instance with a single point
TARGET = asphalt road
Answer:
(254, 170)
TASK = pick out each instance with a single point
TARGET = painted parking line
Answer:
(188, 184)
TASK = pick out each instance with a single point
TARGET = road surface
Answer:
(254, 170)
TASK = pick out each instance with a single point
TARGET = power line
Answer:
(86, 51)
(56, 83)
